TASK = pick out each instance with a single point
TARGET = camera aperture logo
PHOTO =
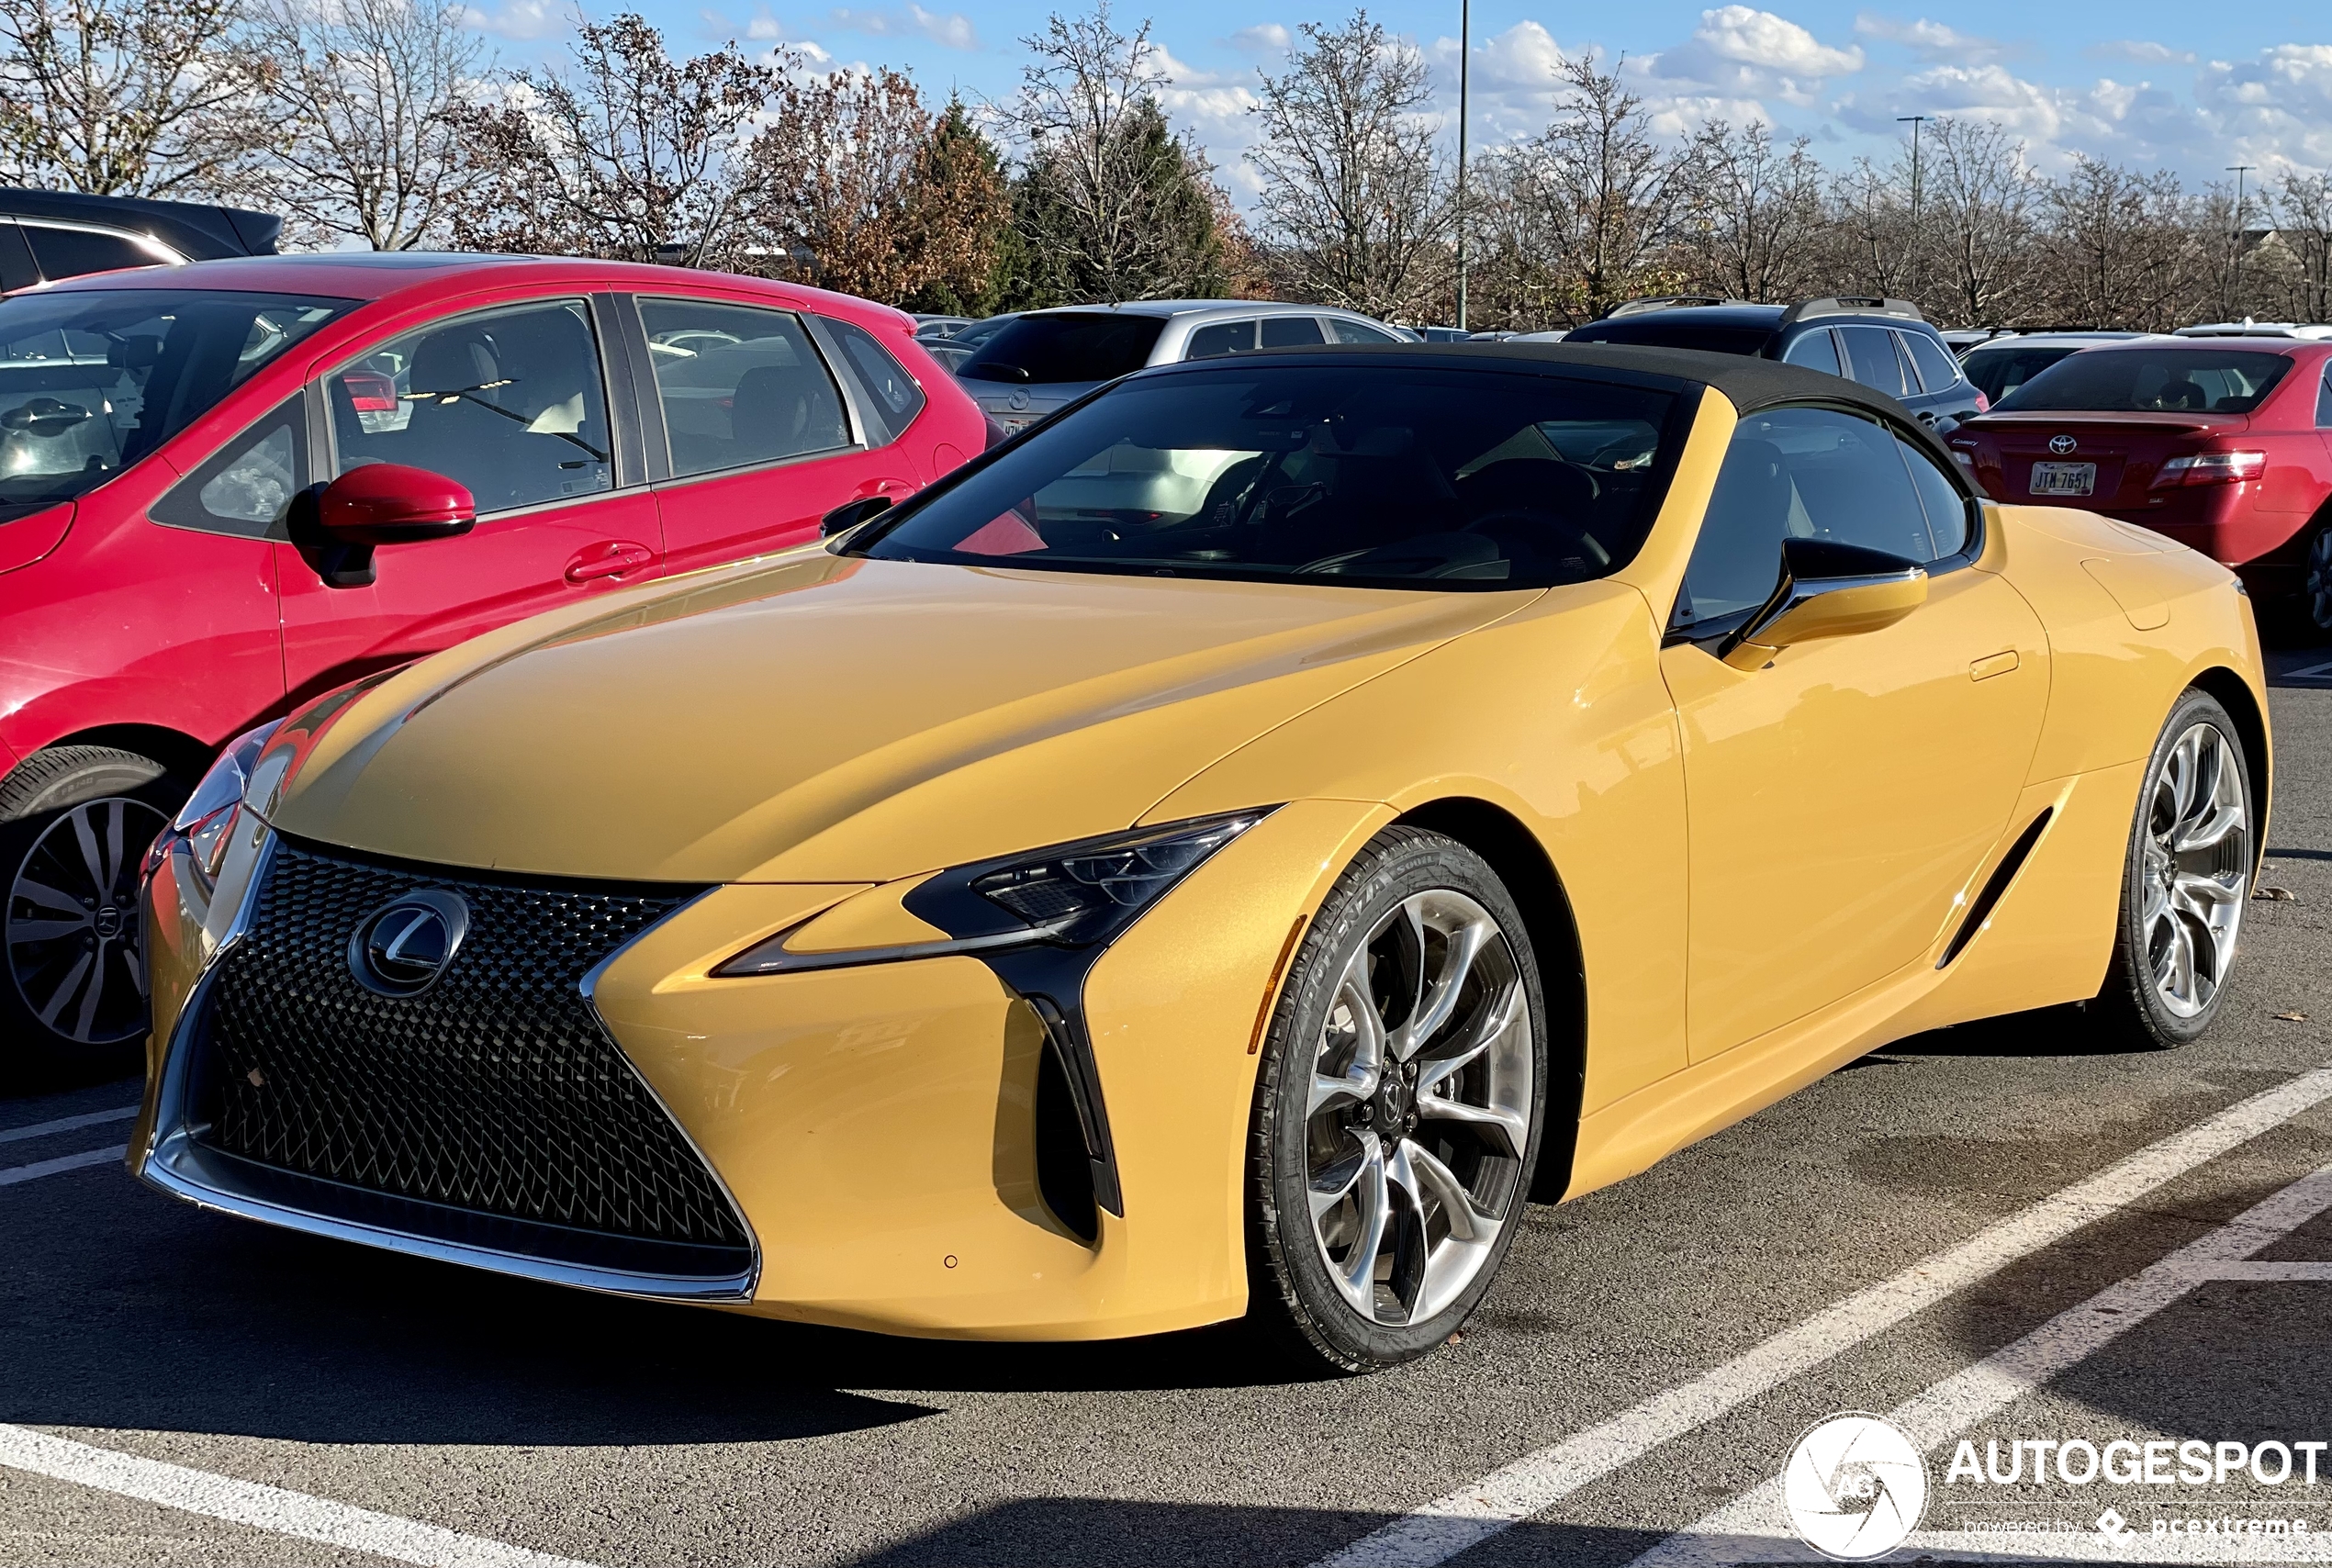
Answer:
(1856, 1487)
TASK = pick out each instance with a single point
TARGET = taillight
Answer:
(370, 392)
(2211, 468)
(1983, 403)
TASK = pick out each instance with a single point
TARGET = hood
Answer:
(823, 719)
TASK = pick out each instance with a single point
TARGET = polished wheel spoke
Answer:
(1418, 1110)
(71, 922)
(2195, 870)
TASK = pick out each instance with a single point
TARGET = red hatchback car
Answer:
(2224, 443)
(198, 464)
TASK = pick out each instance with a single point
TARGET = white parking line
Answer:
(63, 1162)
(1752, 1527)
(1447, 1526)
(67, 1123)
(262, 1507)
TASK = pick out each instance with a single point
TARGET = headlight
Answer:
(1071, 895)
(210, 812)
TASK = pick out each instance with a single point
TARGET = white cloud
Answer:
(1514, 84)
(2276, 110)
(521, 19)
(764, 28)
(2140, 51)
(1264, 38)
(1738, 53)
(952, 29)
(1928, 40)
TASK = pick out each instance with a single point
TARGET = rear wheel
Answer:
(75, 822)
(1397, 1111)
(2185, 879)
(2315, 591)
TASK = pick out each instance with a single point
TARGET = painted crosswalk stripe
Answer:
(1472, 1514)
(270, 1508)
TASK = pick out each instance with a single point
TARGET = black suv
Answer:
(46, 235)
(1886, 344)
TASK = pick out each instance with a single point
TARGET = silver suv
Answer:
(1047, 359)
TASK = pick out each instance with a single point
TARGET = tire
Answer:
(1370, 982)
(75, 822)
(2181, 908)
(2315, 587)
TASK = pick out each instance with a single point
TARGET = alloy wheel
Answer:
(73, 935)
(2196, 870)
(1418, 1113)
(2319, 579)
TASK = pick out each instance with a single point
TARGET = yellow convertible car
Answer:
(1223, 853)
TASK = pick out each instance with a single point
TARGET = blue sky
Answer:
(2191, 86)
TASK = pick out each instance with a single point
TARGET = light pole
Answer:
(2235, 260)
(1465, 61)
(1911, 271)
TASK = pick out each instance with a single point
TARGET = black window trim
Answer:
(855, 398)
(320, 413)
(1710, 631)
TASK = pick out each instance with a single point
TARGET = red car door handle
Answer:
(610, 559)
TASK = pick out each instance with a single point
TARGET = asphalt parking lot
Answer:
(2001, 1233)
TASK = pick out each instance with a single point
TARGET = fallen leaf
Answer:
(2294, 1017)
(2275, 895)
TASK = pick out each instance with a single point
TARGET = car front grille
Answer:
(492, 1108)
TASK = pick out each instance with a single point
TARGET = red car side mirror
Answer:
(380, 503)
(389, 503)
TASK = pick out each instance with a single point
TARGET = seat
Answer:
(783, 411)
(2181, 394)
(469, 438)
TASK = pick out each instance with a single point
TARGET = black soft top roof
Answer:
(1746, 381)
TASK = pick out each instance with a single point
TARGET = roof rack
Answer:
(2247, 328)
(1668, 302)
(1852, 304)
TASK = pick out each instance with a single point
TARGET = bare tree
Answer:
(632, 155)
(1868, 241)
(1113, 205)
(1592, 204)
(1977, 222)
(2120, 252)
(1355, 204)
(2304, 226)
(130, 97)
(367, 95)
(1756, 230)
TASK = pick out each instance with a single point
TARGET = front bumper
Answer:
(874, 1127)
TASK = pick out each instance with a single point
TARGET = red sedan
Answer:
(2223, 443)
(228, 486)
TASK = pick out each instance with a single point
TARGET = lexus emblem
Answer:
(2062, 444)
(403, 948)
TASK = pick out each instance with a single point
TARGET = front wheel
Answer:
(2185, 879)
(75, 822)
(1397, 1111)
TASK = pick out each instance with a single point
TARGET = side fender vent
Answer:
(1994, 886)
(1064, 1174)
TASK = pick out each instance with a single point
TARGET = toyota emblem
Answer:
(2062, 444)
(405, 947)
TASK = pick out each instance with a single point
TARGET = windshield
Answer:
(1078, 345)
(1408, 477)
(2150, 381)
(91, 380)
(1997, 371)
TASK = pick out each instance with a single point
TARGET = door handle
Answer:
(611, 558)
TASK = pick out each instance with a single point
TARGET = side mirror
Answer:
(850, 514)
(1826, 590)
(380, 503)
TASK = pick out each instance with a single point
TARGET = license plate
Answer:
(2064, 478)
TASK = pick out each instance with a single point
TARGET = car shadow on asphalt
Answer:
(121, 1308)
(1099, 1532)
